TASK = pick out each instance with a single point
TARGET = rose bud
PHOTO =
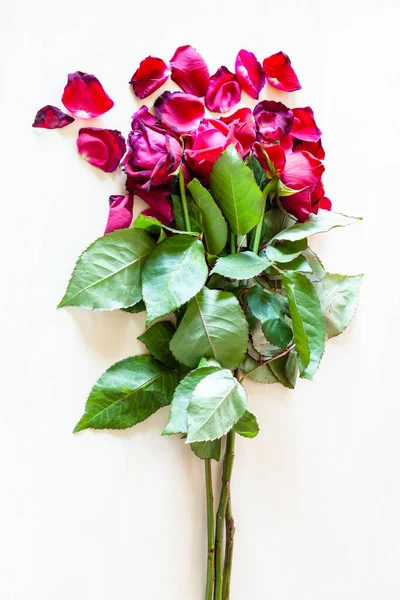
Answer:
(273, 120)
(102, 148)
(151, 75)
(51, 117)
(280, 73)
(302, 172)
(250, 73)
(190, 71)
(120, 214)
(243, 127)
(223, 91)
(84, 96)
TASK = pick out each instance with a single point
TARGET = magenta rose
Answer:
(302, 172)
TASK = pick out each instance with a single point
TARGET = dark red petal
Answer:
(84, 96)
(280, 73)
(51, 117)
(179, 112)
(302, 172)
(223, 91)
(275, 154)
(304, 126)
(156, 197)
(102, 148)
(250, 73)
(298, 205)
(242, 115)
(151, 75)
(189, 71)
(314, 148)
(273, 119)
(120, 215)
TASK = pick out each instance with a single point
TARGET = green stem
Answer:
(219, 531)
(210, 531)
(258, 230)
(232, 242)
(230, 535)
(184, 200)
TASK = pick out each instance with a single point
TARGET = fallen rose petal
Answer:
(120, 214)
(304, 126)
(273, 119)
(189, 71)
(223, 91)
(102, 148)
(51, 117)
(151, 75)
(84, 96)
(250, 73)
(275, 154)
(244, 115)
(280, 73)
(179, 111)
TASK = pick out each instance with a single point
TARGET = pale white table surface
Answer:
(316, 496)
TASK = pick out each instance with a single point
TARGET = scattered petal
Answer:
(51, 117)
(223, 91)
(179, 112)
(304, 126)
(189, 71)
(102, 148)
(280, 73)
(273, 119)
(84, 96)
(120, 215)
(151, 75)
(250, 73)
(244, 115)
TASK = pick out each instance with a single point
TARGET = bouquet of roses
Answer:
(219, 261)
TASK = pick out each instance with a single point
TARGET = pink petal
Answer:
(157, 198)
(250, 73)
(205, 145)
(102, 148)
(179, 112)
(120, 215)
(189, 71)
(302, 172)
(151, 75)
(242, 115)
(304, 126)
(243, 127)
(223, 91)
(84, 96)
(273, 119)
(280, 73)
(51, 117)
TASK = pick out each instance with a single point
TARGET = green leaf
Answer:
(136, 308)
(157, 339)
(207, 449)
(109, 272)
(307, 321)
(317, 268)
(217, 404)
(214, 224)
(298, 264)
(286, 251)
(154, 226)
(258, 372)
(269, 310)
(325, 220)
(258, 172)
(233, 186)
(195, 216)
(338, 295)
(242, 265)
(178, 416)
(247, 425)
(128, 393)
(286, 373)
(174, 273)
(275, 221)
(214, 326)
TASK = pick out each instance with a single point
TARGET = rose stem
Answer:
(210, 531)
(219, 531)
(184, 200)
(257, 235)
(230, 535)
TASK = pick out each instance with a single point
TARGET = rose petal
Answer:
(102, 148)
(276, 155)
(157, 198)
(273, 119)
(304, 126)
(319, 200)
(302, 172)
(243, 128)
(51, 117)
(250, 73)
(314, 148)
(84, 96)
(242, 115)
(204, 146)
(223, 91)
(280, 73)
(151, 75)
(189, 71)
(178, 111)
(120, 215)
